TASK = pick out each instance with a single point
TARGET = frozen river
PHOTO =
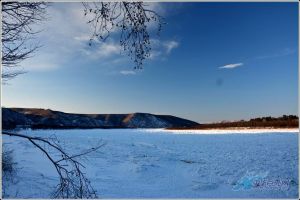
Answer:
(147, 163)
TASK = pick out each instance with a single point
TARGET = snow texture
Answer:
(156, 163)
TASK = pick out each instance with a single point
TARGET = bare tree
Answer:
(18, 19)
(73, 183)
(132, 19)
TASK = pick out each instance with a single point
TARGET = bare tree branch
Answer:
(18, 19)
(132, 19)
(73, 183)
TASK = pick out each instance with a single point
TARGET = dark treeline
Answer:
(286, 121)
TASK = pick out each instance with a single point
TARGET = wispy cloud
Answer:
(60, 41)
(83, 38)
(170, 45)
(284, 52)
(160, 49)
(127, 72)
(108, 49)
(231, 66)
(66, 41)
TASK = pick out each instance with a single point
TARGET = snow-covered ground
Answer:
(148, 163)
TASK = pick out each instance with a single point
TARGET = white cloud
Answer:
(231, 66)
(128, 72)
(108, 49)
(160, 49)
(154, 54)
(102, 50)
(66, 36)
(83, 38)
(170, 45)
(62, 37)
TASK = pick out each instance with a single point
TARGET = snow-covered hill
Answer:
(42, 118)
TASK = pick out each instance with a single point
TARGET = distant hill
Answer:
(45, 118)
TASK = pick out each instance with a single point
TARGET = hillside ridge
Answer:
(46, 118)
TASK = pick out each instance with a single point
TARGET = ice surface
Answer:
(156, 163)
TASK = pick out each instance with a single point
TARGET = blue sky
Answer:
(212, 62)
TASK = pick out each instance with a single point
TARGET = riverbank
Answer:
(232, 130)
